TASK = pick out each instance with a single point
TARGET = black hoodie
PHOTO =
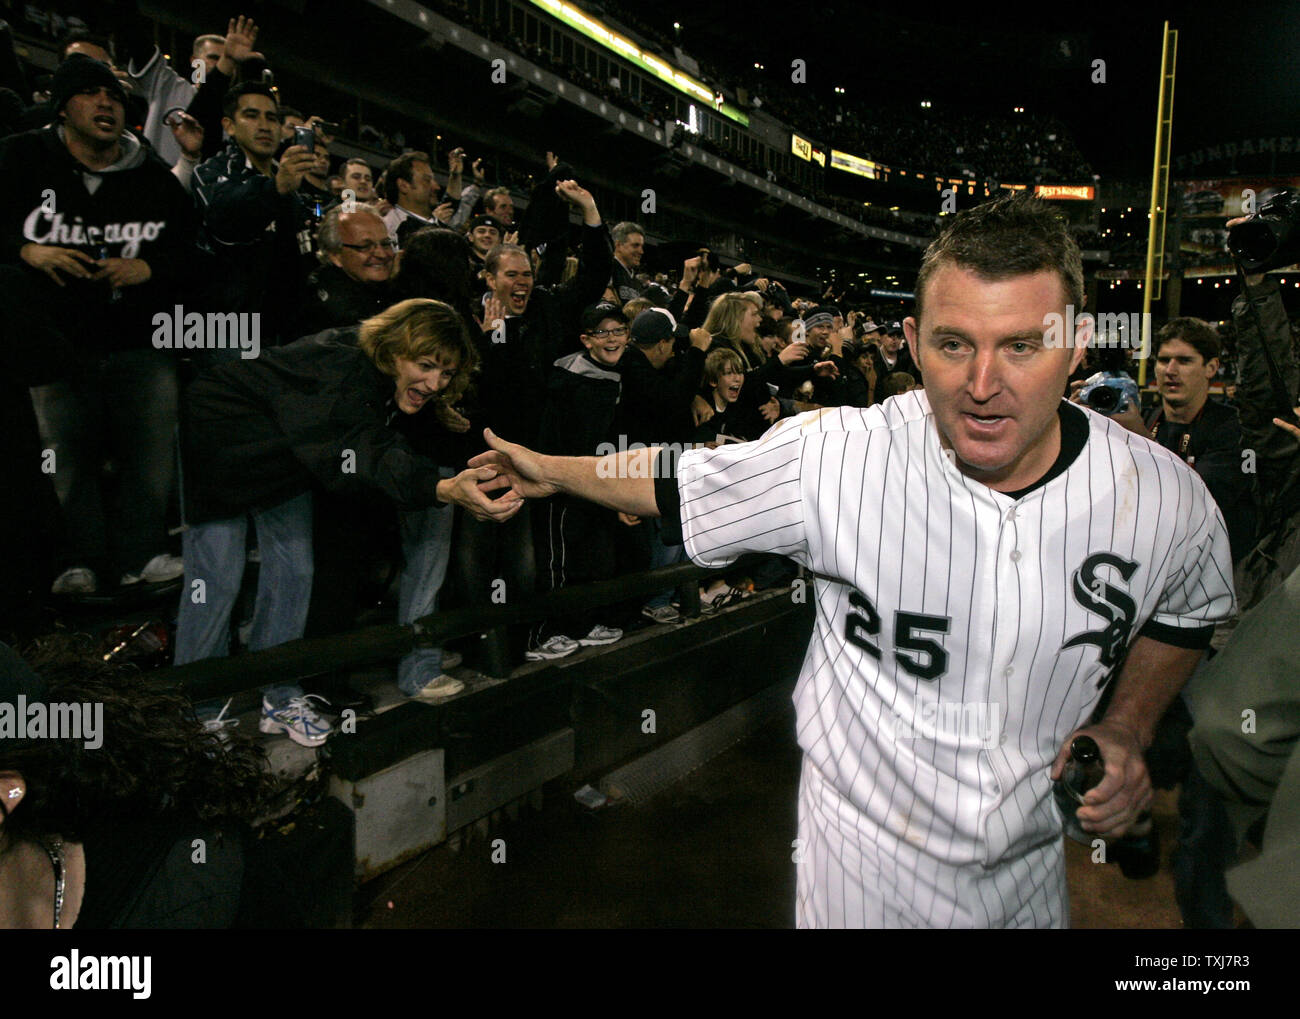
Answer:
(136, 210)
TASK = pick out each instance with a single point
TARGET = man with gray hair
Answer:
(498, 203)
(356, 255)
(629, 246)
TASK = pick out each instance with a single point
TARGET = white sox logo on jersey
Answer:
(1109, 601)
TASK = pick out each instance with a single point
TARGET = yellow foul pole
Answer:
(1153, 287)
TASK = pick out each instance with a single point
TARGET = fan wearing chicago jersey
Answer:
(988, 559)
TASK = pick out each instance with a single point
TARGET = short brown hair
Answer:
(1196, 333)
(721, 361)
(1016, 235)
(414, 328)
(403, 168)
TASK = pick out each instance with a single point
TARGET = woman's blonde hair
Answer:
(420, 327)
(723, 322)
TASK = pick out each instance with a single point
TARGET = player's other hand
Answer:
(1110, 807)
(518, 463)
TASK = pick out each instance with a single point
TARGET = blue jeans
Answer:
(215, 554)
(426, 552)
(662, 555)
(122, 405)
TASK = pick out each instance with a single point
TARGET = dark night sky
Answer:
(1238, 65)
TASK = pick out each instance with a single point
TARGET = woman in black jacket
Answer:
(259, 434)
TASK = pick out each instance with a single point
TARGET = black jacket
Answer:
(316, 411)
(582, 407)
(512, 381)
(623, 282)
(258, 241)
(1212, 444)
(137, 211)
(334, 299)
(657, 402)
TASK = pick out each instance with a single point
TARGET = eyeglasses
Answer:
(600, 334)
(388, 245)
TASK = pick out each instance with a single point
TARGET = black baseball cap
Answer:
(594, 314)
(485, 220)
(654, 325)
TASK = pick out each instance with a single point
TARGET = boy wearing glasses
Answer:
(574, 538)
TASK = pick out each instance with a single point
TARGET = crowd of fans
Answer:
(323, 342)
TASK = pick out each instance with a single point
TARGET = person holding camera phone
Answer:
(256, 227)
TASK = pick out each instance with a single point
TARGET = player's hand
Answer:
(630, 519)
(771, 410)
(123, 272)
(518, 463)
(451, 419)
(1286, 426)
(53, 260)
(1110, 807)
(469, 489)
(700, 411)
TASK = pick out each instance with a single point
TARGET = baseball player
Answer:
(988, 559)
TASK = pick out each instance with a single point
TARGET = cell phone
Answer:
(306, 137)
(328, 127)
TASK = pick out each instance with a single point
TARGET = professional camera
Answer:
(1109, 393)
(1270, 238)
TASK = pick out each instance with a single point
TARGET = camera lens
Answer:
(1103, 398)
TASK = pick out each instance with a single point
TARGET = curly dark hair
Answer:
(156, 760)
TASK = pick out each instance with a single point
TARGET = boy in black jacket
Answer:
(575, 539)
(95, 240)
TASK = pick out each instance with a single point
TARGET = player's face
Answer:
(992, 382)
(1181, 375)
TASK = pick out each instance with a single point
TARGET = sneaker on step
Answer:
(661, 613)
(298, 720)
(75, 580)
(158, 570)
(439, 689)
(601, 635)
(558, 646)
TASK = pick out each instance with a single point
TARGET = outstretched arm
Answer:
(621, 481)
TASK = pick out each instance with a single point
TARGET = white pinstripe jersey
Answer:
(961, 635)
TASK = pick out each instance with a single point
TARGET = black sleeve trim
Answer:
(667, 496)
(1197, 639)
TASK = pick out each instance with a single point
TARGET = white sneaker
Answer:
(601, 635)
(158, 570)
(297, 720)
(75, 580)
(450, 659)
(558, 646)
(439, 689)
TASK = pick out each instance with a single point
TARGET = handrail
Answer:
(311, 656)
